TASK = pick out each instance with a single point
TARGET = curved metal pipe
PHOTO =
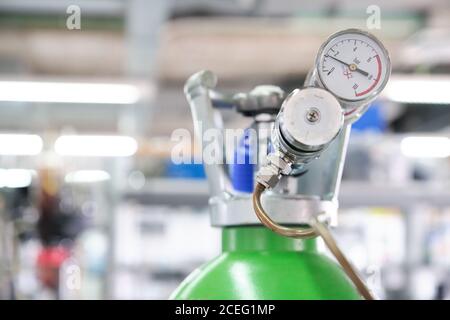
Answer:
(317, 229)
(272, 225)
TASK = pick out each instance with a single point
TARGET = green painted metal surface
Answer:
(259, 264)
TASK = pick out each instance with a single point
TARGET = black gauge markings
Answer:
(356, 60)
(351, 65)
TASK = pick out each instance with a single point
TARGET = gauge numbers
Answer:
(353, 65)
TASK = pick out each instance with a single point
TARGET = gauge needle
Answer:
(352, 67)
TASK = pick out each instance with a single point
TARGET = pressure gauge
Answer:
(354, 66)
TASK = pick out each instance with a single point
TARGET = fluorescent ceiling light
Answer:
(418, 89)
(426, 147)
(87, 176)
(95, 146)
(20, 144)
(15, 178)
(66, 92)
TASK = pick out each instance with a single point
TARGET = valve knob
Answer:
(309, 120)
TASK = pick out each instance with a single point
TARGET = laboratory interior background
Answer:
(93, 207)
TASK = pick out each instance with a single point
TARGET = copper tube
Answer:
(317, 229)
(272, 225)
(327, 237)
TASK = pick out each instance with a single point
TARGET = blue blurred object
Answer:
(189, 170)
(242, 171)
(372, 120)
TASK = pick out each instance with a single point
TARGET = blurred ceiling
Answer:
(246, 42)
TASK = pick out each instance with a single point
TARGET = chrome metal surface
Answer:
(197, 92)
(285, 209)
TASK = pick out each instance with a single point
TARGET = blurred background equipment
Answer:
(93, 90)
(58, 225)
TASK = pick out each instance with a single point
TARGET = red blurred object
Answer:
(49, 261)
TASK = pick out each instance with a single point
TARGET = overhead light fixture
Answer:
(15, 178)
(426, 147)
(95, 146)
(20, 144)
(418, 89)
(87, 176)
(67, 92)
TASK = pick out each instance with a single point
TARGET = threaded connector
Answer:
(270, 174)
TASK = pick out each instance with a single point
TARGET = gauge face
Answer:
(353, 65)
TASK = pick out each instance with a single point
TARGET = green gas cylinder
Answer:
(257, 263)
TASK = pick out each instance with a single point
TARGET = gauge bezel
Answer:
(375, 92)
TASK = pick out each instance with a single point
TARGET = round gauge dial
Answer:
(353, 65)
